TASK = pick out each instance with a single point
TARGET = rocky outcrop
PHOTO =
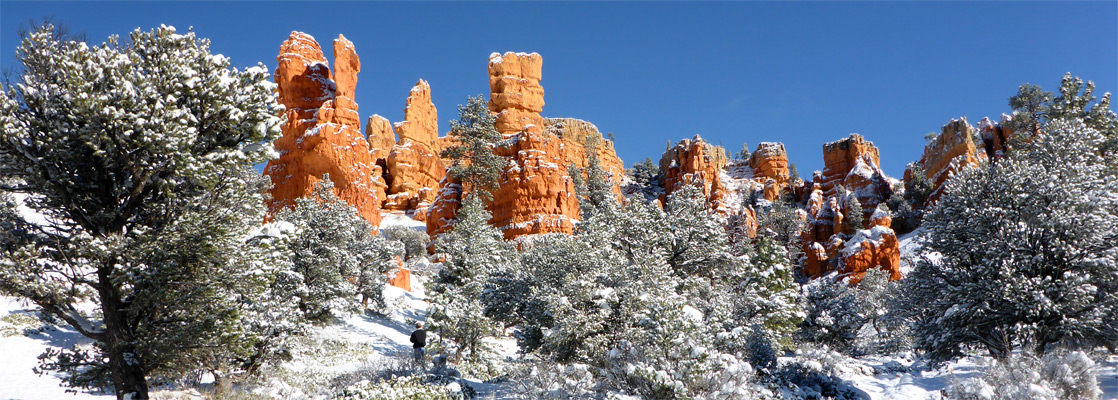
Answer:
(770, 168)
(516, 95)
(414, 166)
(995, 137)
(535, 194)
(854, 163)
(322, 134)
(945, 155)
(577, 136)
(378, 131)
(694, 161)
(841, 156)
(830, 244)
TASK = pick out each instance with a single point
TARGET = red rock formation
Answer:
(995, 137)
(378, 131)
(401, 278)
(322, 134)
(414, 164)
(840, 156)
(441, 213)
(952, 150)
(516, 95)
(695, 161)
(535, 194)
(853, 163)
(575, 135)
(770, 167)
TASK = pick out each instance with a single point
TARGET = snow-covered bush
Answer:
(415, 242)
(813, 373)
(331, 244)
(1057, 376)
(414, 387)
(834, 314)
(1022, 252)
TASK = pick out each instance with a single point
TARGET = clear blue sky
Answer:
(799, 73)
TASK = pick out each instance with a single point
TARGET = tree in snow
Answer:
(414, 241)
(473, 250)
(473, 161)
(133, 155)
(1033, 107)
(781, 223)
(854, 217)
(598, 182)
(646, 174)
(336, 255)
(1022, 252)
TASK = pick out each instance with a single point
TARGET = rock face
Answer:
(952, 150)
(995, 137)
(854, 163)
(829, 244)
(414, 166)
(322, 134)
(576, 134)
(381, 138)
(694, 161)
(535, 194)
(516, 95)
(770, 168)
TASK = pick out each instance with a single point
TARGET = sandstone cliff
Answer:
(576, 135)
(322, 134)
(770, 168)
(950, 151)
(695, 162)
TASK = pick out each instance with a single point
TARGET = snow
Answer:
(399, 218)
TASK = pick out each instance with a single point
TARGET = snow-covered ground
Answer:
(362, 340)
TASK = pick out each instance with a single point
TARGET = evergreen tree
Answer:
(473, 161)
(1033, 107)
(745, 154)
(793, 174)
(414, 241)
(781, 223)
(473, 250)
(331, 245)
(646, 174)
(133, 156)
(854, 217)
(1025, 252)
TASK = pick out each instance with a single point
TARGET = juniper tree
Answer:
(1025, 252)
(131, 156)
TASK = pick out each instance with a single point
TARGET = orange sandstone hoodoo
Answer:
(322, 134)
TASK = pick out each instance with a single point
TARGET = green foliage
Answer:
(331, 245)
(782, 224)
(745, 154)
(414, 387)
(1033, 108)
(473, 161)
(415, 242)
(473, 250)
(138, 155)
(854, 217)
(1027, 252)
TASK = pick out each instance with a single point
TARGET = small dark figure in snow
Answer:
(418, 342)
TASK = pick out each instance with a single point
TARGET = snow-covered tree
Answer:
(129, 155)
(414, 241)
(1022, 252)
(336, 254)
(473, 250)
(697, 243)
(474, 163)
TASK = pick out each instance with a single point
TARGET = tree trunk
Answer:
(125, 368)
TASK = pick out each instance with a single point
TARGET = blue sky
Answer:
(800, 73)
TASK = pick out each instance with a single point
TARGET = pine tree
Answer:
(474, 163)
(854, 217)
(1025, 252)
(134, 155)
(793, 174)
(598, 183)
(473, 250)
